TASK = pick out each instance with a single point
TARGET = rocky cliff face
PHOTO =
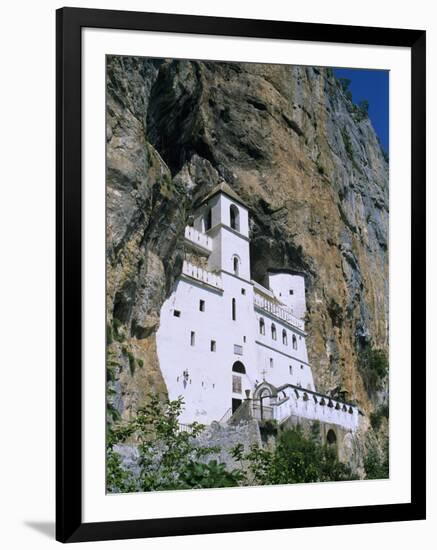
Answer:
(298, 152)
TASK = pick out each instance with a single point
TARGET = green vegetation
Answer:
(362, 110)
(169, 457)
(373, 366)
(132, 362)
(377, 416)
(117, 331)
(376, 464)
(359, 111)
(347, 143)
(295, 459)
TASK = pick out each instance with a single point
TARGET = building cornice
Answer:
(282, 352)
(221, 225)
(246, 281)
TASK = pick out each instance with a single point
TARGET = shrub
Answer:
(376, 464)
(296, 459)
(377, 416)
(168, 458)
(374, 368)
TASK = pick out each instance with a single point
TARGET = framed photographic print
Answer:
(241, 274)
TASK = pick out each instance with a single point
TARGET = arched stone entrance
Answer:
(331, 438)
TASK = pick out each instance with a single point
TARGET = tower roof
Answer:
(224, 188)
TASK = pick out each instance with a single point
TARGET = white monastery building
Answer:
(224, 338)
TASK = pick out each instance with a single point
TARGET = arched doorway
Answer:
(331, 438)
(238, 369)
(264, 402)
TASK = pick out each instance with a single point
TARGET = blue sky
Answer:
(373, 86)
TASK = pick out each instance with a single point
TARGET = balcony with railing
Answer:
(269, 305)
(202, 275)
(199, 239)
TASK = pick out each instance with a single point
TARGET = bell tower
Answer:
(224, 217)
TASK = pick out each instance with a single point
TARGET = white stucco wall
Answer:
(204, 377)
(282, 283)
(207, 390)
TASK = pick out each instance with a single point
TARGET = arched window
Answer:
(294, 342)
(262, 326)
(235, 217)
(238, 367)
(273, 331)
(236, 265)
(237, 385)
(284, 337)
(234, 309)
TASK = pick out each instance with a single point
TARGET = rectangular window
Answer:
(193, 338)
(238, 350)
(290, 368)
(176, 313)
(244, 339)
(236, 384)
(291, 292)
(271, 362)
(202, 305)
(243, 291)
(213, 345)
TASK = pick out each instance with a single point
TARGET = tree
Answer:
(295, 459)
(167, 457)
(363, 106)
(344, 83)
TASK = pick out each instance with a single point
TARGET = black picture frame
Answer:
(69, 24)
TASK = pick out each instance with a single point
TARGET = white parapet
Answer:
(200, 274)
(314, 406)
(199, 239)
(282, 312)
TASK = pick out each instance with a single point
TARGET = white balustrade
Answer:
(202, 275)
(296, 404)
(282, 312)
(198, 238)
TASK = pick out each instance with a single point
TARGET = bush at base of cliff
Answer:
(167, 456)
(374, 368)
(376, 461)
(295, 459)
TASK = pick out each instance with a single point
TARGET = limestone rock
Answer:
(312, 171)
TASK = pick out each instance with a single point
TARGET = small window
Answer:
(234, 217)
(202, 305)
(213, 345)
(301, 367)
(208, 220)
(291, 292)
(193, 338)
(234, 309)
(273, 331)
(244, 339)
(243, 291)
(262, 326)
(236, 265)
(284, 337)
(290, 369)
(271, 362)
(294, 342)
(176, 313)
(238, 350)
